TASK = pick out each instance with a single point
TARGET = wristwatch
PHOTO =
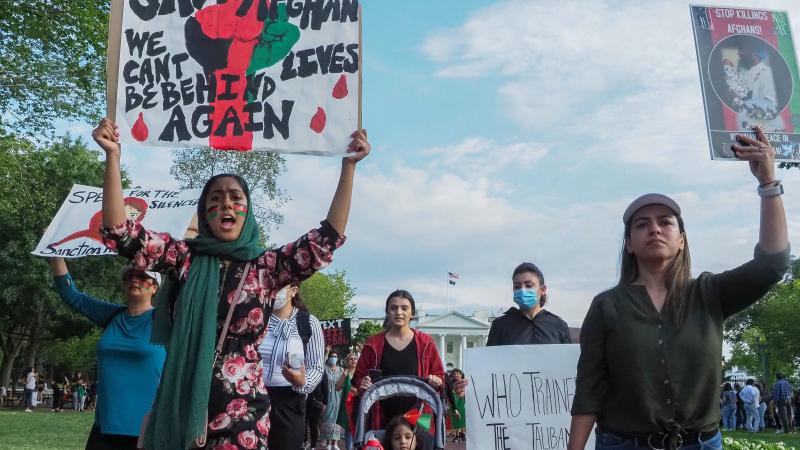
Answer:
(772, 191)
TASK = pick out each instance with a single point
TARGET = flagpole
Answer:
(447, 296)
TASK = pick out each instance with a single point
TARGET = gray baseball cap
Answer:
(649, 199)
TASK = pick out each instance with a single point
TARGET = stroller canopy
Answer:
(401, 386)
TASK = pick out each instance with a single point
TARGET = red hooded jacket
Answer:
(428, 363)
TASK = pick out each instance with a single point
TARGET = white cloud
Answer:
(619, 76)
(482, 156)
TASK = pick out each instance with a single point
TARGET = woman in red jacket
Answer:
(399, 350)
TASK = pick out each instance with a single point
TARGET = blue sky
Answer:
(518, 131)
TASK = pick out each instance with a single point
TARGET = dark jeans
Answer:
(29, 393)
(611, 441)
(783, 413)
(287, 418)
(100, 441)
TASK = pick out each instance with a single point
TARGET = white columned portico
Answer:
(442, 348)
(461, 349)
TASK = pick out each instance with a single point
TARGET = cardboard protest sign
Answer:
(276, 75)
(749, 77)
(75, 230)
(336, 332)
(520, 396)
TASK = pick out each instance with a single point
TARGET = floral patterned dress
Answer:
(238, 406)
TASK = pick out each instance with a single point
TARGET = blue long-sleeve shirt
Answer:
(128, 366)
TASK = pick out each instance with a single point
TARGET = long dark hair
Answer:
(402, 294)
(297, 300)
(678, 276)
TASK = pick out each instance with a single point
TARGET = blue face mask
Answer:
(333, 360)
(526, 298)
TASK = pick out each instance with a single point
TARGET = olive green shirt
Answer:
(638, 371)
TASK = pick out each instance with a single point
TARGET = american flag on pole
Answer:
(452, 277)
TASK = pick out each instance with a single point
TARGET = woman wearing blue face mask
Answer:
(331, 431)
(529, 322)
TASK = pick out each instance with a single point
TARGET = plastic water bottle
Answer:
(296, 355)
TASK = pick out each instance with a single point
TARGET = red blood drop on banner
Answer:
(340, 88)
(318, 121)
(139, 130)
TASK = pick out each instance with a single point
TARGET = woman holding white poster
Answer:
(649, 371)
(212, 315)
(128, 365)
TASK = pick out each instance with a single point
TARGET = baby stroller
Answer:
(397, 386)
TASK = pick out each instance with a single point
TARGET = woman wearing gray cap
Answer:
(649, 370)
(128, 366)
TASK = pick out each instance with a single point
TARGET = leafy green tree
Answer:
(75, 353)
(193, 167)
(54, 60)
(365, 330)
(764, 336)
(329, 295)
(35, 182)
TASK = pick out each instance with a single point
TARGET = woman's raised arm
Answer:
(340, 205)
(107, 138)
(58, 267)
(773, 235)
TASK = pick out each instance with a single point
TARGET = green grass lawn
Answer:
(790, 439)
(43, 430)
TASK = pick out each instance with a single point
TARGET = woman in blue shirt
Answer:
(128, 366)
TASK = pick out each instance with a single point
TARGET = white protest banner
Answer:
(520, 396)
(749, 77)
(275, 75)
(75, 230)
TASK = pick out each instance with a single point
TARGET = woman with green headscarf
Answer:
(230, 401)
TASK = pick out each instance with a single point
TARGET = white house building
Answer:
(452, 332)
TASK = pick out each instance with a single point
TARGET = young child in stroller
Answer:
(400, 435)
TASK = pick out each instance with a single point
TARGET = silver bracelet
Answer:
(771, 191)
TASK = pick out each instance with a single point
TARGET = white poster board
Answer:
(281, 76)
(520, 396)
(75, 230)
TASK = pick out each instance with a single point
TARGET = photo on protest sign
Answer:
(749, 77)
(336, 332)
(75, 230)
(273, 75)
(520, 396)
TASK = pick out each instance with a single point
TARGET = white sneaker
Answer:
(28, 410)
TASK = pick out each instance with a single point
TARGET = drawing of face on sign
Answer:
(233, 41)
(135, 209)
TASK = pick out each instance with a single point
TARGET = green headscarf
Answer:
(180, 410)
